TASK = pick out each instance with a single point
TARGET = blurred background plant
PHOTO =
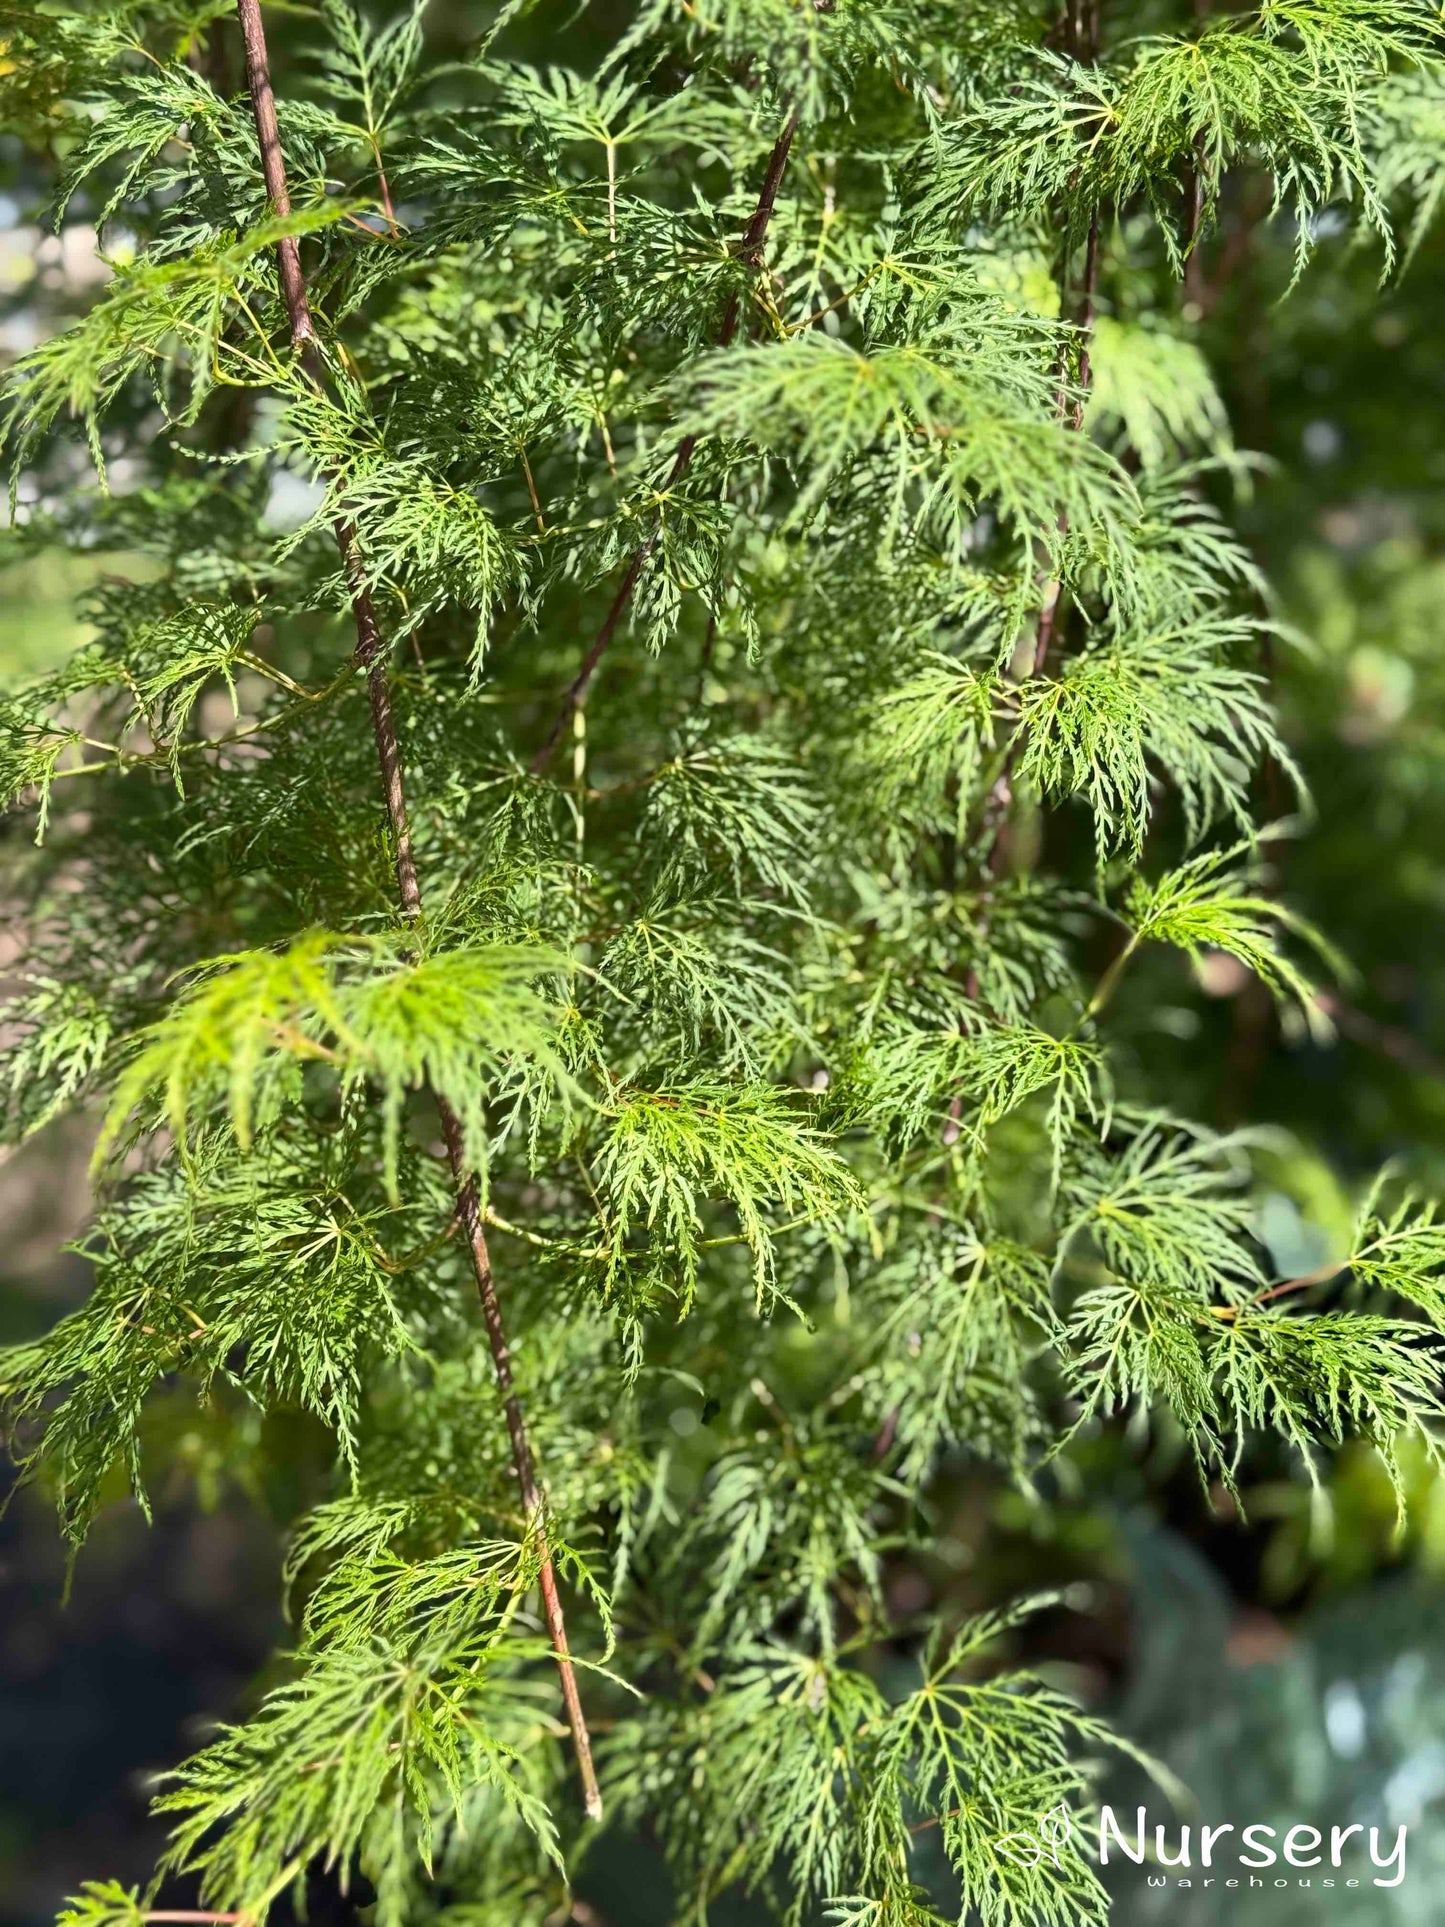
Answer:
(1286, 1656)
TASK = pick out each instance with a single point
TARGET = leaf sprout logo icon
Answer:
(1050, 1839)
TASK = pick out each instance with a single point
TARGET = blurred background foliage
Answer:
(1287, 1657)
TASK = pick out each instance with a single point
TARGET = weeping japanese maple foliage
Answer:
(682, 640)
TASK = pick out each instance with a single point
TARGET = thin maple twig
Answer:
(192, 1913)
(999, 800)
(835, 306)
(1389, 1040)
(750, 253)
(1084, 31)
(531, 488)
(383, 183)
(1322, 1276)
(117, 757)
(1082, 27)
(1196, 282)
(370, 654)
(1088, 298)
(1196, 286)
(273, 168)
(533, 1503)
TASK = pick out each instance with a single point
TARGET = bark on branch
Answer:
(750, 252)
(371, 655)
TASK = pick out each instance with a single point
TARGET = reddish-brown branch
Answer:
(1088, 300)
(370, 653)
(750, 253)
(273, 168)
(1084, 44)
(385, 188)
(1081, 24)
(1196, 284)
(369, 650)
(1196, 287)
(192, 1914)
(532, 1501)
(1322, 1276)
(1400, 1046)
(1088, 304)
(1072, 402)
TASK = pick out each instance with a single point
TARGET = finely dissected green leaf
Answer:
(1210, 903)
(669, 1152)
(368, 1011)
(1169, 702)
(945, 431)
(261, 1278)
(103, 1903)
(1155, 392)
(354, 1757)
(64, 1034)
(1400, 1250)
(160, 316)
(978, 1749)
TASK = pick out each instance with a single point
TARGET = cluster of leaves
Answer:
(774, 1027)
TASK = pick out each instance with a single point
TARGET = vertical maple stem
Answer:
(384, 185)
(273, 168)
(371, 654)
(533, 1504)
(1085, 31)
(1196, 285)
(1000, 797)
(1088, 297)
(750, 252)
